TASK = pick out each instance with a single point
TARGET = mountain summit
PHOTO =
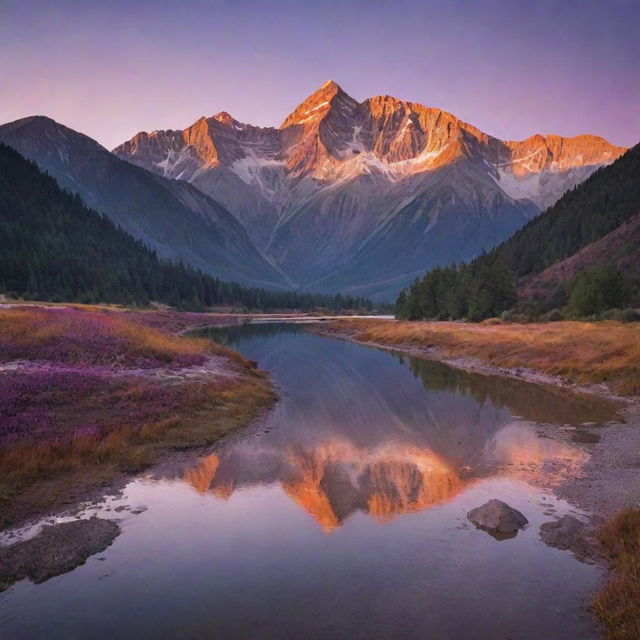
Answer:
(363, 196)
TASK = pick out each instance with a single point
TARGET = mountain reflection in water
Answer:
(342, 516)
(344, 439)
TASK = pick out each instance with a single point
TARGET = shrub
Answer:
(507, 316)
(621, 315)
(555, 315)
(629, 315)
(596, 290)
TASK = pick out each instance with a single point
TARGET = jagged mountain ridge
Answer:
(171, 216)
(364, 196)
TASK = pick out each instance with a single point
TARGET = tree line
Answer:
(487, 286)
(53, 247)
(474, 291)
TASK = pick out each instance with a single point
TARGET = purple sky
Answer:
(111, 69)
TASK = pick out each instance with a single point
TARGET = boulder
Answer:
(57, 549)
(497, 517)
(570, 533)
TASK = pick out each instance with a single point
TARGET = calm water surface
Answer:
(343, 517)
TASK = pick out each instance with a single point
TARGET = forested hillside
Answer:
(171, 217)
(53, 247)
(584, 214)
(488, 285)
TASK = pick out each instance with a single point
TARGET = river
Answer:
(343, 515)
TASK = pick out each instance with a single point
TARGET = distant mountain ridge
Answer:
(170, 216)
(590, 235)
(363, 196)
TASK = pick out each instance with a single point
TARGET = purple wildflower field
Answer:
(72, 336)
(68, 375)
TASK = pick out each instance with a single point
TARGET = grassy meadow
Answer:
(86, 395)
(583, 352)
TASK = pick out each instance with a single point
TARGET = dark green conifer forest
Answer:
(54, 248)
(486, 287)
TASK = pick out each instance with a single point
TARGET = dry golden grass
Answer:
(148, 340)
(120, 424)
(40, 476)
(585, 352)
(618, 603)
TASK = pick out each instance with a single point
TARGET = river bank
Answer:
(93, 395)
(601, 359)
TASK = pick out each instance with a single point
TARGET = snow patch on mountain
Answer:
(319, 106)
(354, 145)
(518, 188)
(257, 171)
(167, 167)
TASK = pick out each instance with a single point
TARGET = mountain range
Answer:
(578, 258)
(170, 216)
(358, 197)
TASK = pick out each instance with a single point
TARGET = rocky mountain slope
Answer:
(364, 196)
(172, 217)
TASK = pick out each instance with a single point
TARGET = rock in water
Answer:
(573, 534)
(498, 518)
(57, 549)
(562, 533)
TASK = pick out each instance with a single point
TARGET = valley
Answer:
(348, 197)
(175, 404)
(120, 414)
(284, 357)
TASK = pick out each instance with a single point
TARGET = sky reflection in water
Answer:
(343, 517)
